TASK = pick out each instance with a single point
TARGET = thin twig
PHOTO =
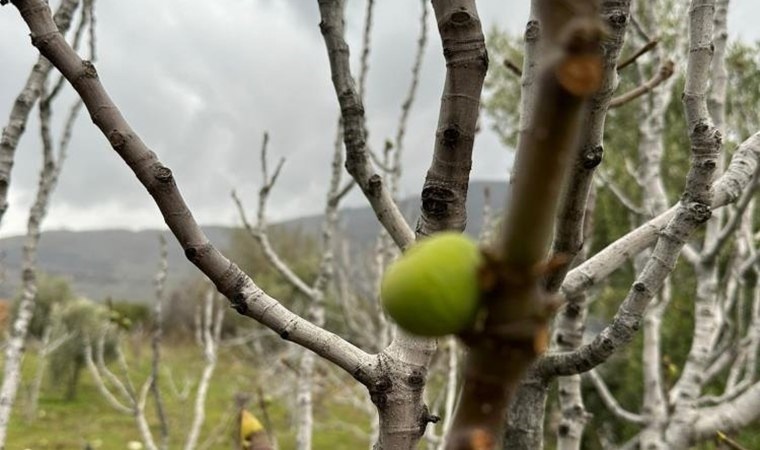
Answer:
(610, 402)
(646, 48)
(364, 60)
(605, 181)
(512, 67)
(665, 72)
(406, 106)
(160, 282)
(730, 443)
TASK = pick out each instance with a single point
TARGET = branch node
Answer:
(532, 31)
(593, 157)
(162, 173)
(117, 140)
(89, 70)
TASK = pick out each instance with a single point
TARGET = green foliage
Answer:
(80, 320)
(297, 249)
(52, 292)
(126, 315)
(743, 65)
(502, 86)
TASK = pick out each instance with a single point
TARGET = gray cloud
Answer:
(201, 82)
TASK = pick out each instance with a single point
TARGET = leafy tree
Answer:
(83, 320)
(52, 292)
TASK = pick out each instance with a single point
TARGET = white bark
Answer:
(51, 168)
(726, 189)
(212, 330)
(610, 402)
(47, 346)
(155, 343)
(22, 106)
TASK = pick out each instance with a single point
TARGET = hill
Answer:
(122, 263)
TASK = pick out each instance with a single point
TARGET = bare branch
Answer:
(711, 252)
(101, 385)
(345, 190)
(694, 210)
(444, 192)
(364, 61)
(516, 310)
(406, 106)
(610, 402)
(727, 189)
(212, 326)
(643, 50)
(247, 298)
(665, 72)
(22, 106)
(352, 112)
(512, 67)
(155, 388)
(48, 179)
(142, 421)
(568, 229)
(259, 231)
(605, 181)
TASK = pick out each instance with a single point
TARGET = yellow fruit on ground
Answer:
(249, 425)
(432, 289)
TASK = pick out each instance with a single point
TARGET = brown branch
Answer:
(512, 67)
(513, 330)
(665, 72)
(649, 46)
(568, 230)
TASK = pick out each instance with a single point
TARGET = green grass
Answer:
(62, 424)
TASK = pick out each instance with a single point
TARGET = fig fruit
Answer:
(432, 289)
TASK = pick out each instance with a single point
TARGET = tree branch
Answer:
(155, 387)
(247, 298)
(610, 402)
(516, 306)
(665, 72)
(694, 210)
(640, 52)
(259, 231)
(568, 229)
(711, 252)
(354, 135)
(444, 192)
(22, 106)
(726, 189)
(406, 106)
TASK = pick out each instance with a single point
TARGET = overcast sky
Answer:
(200, 81)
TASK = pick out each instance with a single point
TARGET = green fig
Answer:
(432, 289)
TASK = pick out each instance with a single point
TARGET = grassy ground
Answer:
(88, 419)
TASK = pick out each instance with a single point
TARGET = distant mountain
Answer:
(121, 263)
